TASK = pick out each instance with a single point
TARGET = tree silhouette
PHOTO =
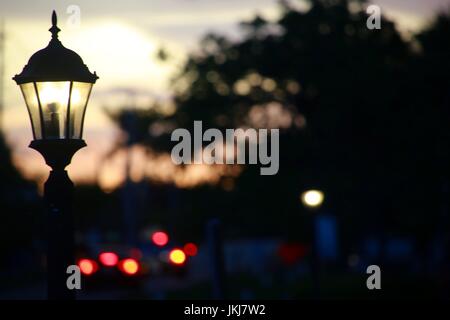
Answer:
(363, 116)
(20, 208)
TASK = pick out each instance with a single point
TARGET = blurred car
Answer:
(112, 265)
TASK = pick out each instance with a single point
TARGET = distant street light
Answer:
(56, 86)
(312, 198)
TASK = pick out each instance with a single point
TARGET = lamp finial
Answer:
(54, 29)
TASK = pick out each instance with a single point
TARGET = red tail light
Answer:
(190, 249)
(129, 266)
(108, 259)
(87, 267)
(160, 238)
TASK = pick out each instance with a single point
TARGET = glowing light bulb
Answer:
(312, 198)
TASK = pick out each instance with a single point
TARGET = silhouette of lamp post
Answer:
(56, 86)
(313, 200)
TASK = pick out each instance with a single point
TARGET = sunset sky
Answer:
(119, 40)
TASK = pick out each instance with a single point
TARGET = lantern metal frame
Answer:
(56, 63)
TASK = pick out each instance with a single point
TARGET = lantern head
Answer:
(56, 86)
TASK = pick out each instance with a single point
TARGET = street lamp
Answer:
(312, 198)
(56, 86)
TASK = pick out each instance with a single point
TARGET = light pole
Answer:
(56, 86)
(312, 200)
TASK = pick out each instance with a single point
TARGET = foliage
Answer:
(364, 117)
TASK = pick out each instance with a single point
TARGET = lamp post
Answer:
(56, 86)
(313, 200)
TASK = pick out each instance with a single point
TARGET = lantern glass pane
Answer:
(54, 98)
(78, 102)
(29, 94)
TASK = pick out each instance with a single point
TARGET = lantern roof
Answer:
(55, 63)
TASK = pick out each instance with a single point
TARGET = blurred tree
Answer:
(20, 209)
(428, 121)
(356, 110)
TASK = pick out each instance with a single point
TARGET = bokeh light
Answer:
(177, 256)
(129, 266)
(108, 259)
(87, 266)
(312, 198)
(190, 249)
(160, 238)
